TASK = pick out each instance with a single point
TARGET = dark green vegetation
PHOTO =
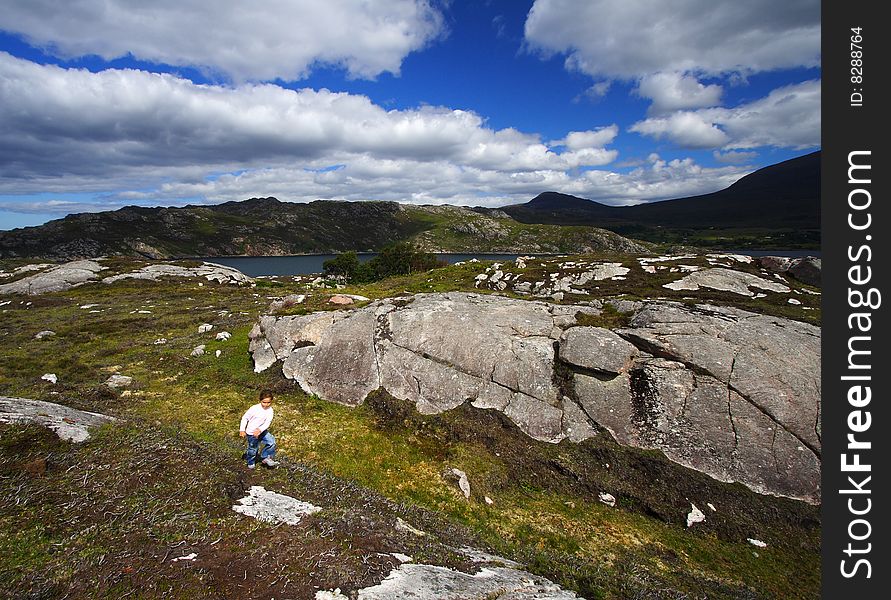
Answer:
(267, 227)
(774, 207)
(108, 517)
(396, 259)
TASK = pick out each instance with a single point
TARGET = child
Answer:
(255, 427)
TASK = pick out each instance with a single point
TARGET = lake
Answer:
(305, 264)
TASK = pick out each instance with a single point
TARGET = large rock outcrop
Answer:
(728, 392)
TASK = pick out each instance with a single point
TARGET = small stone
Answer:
(793, 301)
(403, 526)
(463, 483)
(198, 350)
(711, 506)
(223, 336)
(695, 516)
(217, 353)
(488, 500)
(191, 556)
(340, 299)
(607, 499)
(757, 543)
(51, 377)
(116, 381)
(205, 328)
(43, 334)
(36, 467)
(272, 507)
(160, 341)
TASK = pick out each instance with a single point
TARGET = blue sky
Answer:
(105, 103)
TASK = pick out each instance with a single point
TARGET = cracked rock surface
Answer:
(55, 279)
(210, 271)
(68, 423)
(730, 393)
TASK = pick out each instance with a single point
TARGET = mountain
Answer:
(775, 206)
(266, 226)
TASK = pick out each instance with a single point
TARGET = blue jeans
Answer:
(253, 445)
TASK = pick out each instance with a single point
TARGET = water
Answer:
(304, 264)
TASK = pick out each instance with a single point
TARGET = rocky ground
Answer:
(144, 507)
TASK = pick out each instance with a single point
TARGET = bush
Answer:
(400, 258)
(343, 265)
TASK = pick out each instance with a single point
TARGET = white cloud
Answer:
(579, 140)
(733, 157)
(76, 122)
(71, 130)
(788, 117)
(687, 129)
(120, 137)
(237, 39)
(628, 40)
(675, 91)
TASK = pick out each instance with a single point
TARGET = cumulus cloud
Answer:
(121, 137)
(733, 157)
(72, 121)
(787, 117)
(675, 91)
(579, 140)
(145, 136)
(231, 37)
(628, 40)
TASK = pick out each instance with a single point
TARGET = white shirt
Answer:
(256, 418)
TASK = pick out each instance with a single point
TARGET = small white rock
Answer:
(191, 556)
(607, 499)
(51, 377)
(205, 328)
(793, 301)
(695, 516)
(198, 350)
(160, 341)
(223, 336)
(116, 381)
(217, 353)
(463, 483)
(711, 506)
(755, 542)
(42, 334)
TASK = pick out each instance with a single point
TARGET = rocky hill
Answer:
(595, 426)
(774, 207)
(266, 226)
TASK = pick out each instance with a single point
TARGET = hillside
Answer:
(775, 207)
(147, 503)
(266, 226)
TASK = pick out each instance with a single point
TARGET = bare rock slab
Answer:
(430, 582)
(273, 507)
(597, 348)
(55, 279)
(728, 392)
(68, 423)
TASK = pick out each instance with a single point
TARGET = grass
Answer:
(107, 516)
